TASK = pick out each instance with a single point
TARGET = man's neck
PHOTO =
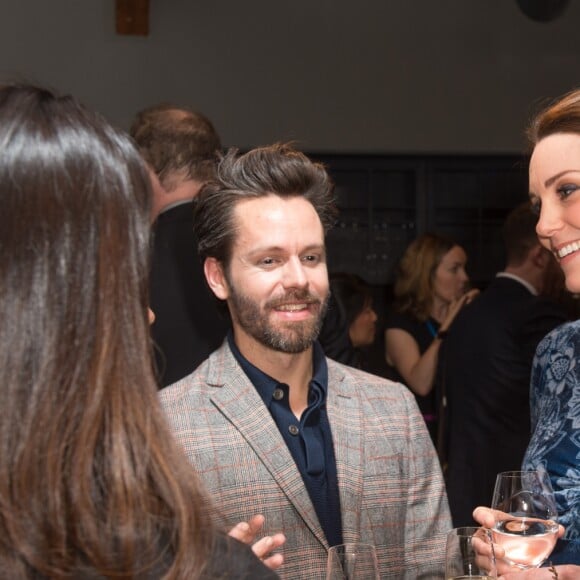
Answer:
(180, 192)
(533, 277)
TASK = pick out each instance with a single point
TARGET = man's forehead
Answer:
(271, 207)
(273, 221)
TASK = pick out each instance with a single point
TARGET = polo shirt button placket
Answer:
(293, 429)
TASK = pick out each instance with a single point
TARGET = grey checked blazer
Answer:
(391, 489)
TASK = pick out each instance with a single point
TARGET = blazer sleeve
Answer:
(403, 507)
(428, 519)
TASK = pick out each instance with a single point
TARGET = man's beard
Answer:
(291, 336)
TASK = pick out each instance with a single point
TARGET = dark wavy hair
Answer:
(278, 169)
(92, 483)
(349, 296)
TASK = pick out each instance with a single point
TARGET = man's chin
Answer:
(291, 342)
(290, 349)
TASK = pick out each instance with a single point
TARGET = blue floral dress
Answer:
(555, 414)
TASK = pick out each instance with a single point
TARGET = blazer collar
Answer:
(239, 401)
(346, 416)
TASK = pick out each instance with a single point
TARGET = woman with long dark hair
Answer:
(91, 482)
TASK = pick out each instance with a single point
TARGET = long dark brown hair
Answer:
(91, 483)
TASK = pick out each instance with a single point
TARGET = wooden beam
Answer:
(132, 17)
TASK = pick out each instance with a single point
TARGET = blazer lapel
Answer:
(345, 416)
(239, 401)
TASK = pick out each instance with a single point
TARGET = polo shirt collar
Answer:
(266, 385)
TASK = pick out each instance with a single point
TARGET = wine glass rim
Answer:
(462, 530)
(518, 472)
(352, 544)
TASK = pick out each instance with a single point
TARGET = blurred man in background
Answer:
(180, 147)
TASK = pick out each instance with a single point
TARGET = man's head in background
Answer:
(180, 147)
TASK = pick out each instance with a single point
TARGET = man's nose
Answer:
(295, 274)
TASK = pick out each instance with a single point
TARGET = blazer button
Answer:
(293, 430)
(278, 394)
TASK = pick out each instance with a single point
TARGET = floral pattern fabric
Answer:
(555, 414)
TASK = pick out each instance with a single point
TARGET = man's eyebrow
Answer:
(309, 248)
(278, 250)
(314, 247)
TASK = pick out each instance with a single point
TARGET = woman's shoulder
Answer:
(558, 350)
(567, 333)
(555, 379)
(557, 353)
(402, 320)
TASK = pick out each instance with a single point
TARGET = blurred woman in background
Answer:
(431, 287)
(350, 322)
(92, 484)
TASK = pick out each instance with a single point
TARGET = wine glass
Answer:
(469, 554)
(525, 526)
(354, 561)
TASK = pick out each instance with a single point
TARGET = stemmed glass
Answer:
(469, 554)
(525, 525)
(352, 561)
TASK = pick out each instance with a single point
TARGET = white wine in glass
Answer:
(526, 526)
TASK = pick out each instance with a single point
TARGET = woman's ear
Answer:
(214, 274)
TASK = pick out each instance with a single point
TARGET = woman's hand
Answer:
(247, 532)
(456, 306)
(567, 572)
(487, 517)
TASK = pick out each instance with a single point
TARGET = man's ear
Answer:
(159, 200)
(540, 256)
(214, 274)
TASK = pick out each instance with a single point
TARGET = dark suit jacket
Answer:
(188, 326)
(391, 489)
(485, 367)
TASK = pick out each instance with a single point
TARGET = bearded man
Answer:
(326, 453)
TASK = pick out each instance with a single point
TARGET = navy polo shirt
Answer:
(308, 439)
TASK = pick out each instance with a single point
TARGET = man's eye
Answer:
(311, 258)
(267, 261)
